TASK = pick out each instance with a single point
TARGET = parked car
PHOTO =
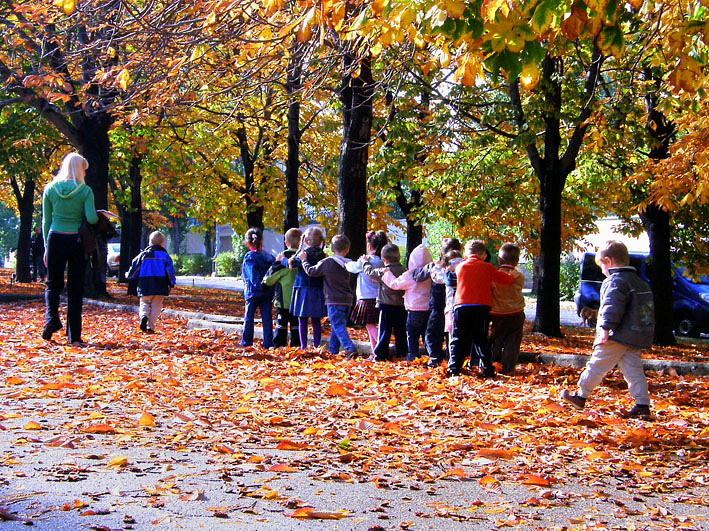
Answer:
(113, 258)
(690, 298)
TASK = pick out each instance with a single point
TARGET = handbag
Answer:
(87, 238)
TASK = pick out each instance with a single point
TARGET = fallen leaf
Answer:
(311, 513)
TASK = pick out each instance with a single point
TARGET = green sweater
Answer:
(64, 205)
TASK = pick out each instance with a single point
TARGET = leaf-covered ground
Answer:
(385, 438)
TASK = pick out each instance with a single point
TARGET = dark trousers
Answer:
(435, 330)
(470, 329)
(37, 267)
(506, 337)
(391, 319)
(65, 250)
(416, 322)
(284, 320)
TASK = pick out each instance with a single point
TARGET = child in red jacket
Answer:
(473, 299)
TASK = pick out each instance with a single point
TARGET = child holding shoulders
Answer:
(473, 299)
(308, 301)
(258, 296)
(507, 312)
(155, 273)
(282, 277)
(416, 298)
(365, 311)
(448, 264)
(625, 326)
(392, 314)
(338, 292)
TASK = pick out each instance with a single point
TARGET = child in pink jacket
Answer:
(416, 298)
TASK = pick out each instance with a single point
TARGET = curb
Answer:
(233, 325)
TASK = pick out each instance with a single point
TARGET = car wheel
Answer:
(685, 325)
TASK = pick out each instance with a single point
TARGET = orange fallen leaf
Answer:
(456, 472)
(337, 390)
(223, 449)
(490, 483)
(312, 513)
(146, 419)
(100, 428)
(193, 496)
(255, 459)
(531, 479)
(290, 445)
(32, 425)
(14, 380)
(495, 453)
(282, 467)
(598, 455)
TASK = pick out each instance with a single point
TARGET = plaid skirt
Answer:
(365, 312)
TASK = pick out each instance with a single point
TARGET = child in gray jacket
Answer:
(626, 324)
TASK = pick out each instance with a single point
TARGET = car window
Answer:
(589, 270)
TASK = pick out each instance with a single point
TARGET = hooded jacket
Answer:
(386, 295)
(64, 205)
(416, 294)
(627, 309)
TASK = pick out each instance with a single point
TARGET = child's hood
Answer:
(420, 256)
(314, 255)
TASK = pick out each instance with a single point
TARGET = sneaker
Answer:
(50, 328)
(576, 401)
(144, 323)
(639, 412)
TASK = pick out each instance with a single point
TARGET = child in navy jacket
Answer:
(257, 294)
(155, 273)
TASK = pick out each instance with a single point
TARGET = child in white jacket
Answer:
(416, 298)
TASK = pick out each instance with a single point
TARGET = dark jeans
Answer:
(391, 319)
(37, 268)
(416, 323)
(470, 329)
(506, 337)
(338, 314)
(284, 320)
(435, 330)
(263, 304)
(65, 252)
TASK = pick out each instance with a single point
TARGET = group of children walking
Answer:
(461, 296)
(457, 296)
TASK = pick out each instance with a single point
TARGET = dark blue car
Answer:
(690, 298)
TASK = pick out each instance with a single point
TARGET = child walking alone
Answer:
(507, 312)
(257, 295)
(338, 292)
(625, 326)
(282, 277)
(155, 273)
(308, 302)
(365, 311)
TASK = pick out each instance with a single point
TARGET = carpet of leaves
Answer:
(390, 424)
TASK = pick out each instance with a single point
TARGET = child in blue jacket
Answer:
(155, 273)
(257, 294)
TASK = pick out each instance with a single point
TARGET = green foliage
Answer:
(228, 265)
(240, 249)
(192, 264)
(9, 227)
(435, 232)
(569, 278)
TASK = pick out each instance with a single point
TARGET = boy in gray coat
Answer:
(626, 324)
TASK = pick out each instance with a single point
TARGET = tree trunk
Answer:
(131, 219)
(175, 236)
(293, 86)
(25, 204)
(254, 211)
(657, 225)
(547, 319)
(356, 95)
(414, 231)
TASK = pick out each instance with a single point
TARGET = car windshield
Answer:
(115, 247)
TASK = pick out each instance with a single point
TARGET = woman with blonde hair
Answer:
(66, 201)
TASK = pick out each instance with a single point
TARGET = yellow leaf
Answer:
(32, 425)
(123, 79)
(146, 419)
(529, 78)
(68, 6)
(378, 6)
(118, 461)
(14, 380)
(455, 8)
(312, 513)
(305, 31)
